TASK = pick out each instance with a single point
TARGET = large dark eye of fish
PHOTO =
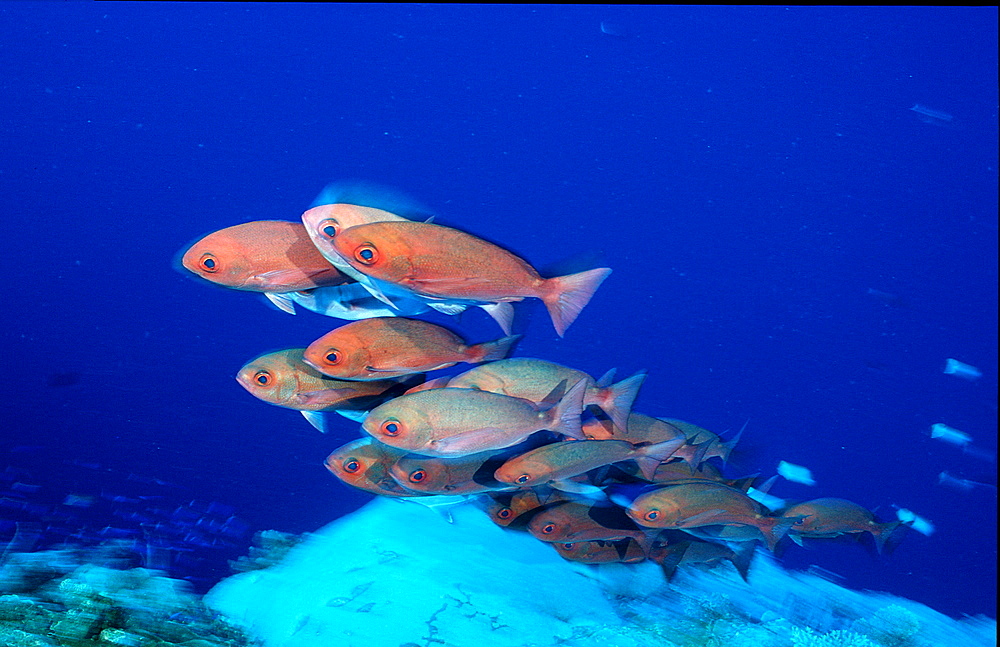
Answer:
(332, 356)
(329, 228)
(262, 378)
(524, 478)
(208, 263)
(417, 476)
(366, 254)
(548, 528)
(391, 427)
(652, 515)
(569, 546)
(352, 465)
(505, 513)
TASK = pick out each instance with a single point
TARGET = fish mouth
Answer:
(312, 364)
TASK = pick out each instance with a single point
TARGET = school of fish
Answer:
(544, 448)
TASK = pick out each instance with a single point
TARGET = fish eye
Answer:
(329, 228)
(352, 465)
(799, 522)
(332, 356)
(208, 263)
(417, 476)
(391, 427)
(505, 513)
(548, 528)
(652, 515)
(524, 478)
(262, 378)
(366, 254)
(569, 546)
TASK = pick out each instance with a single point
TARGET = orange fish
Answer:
(458, 422)
(281, 378)
(673, 553)
(364, 464)
(623, 551)
(537, 380)
(470, 474)
(323, 223)
(714, 446)
(575, 521)
(381, 347)
(646, 429)
(563, 460)
(445, 263)
(515, 510)
(691, 505)
(262, 256)
(832, 517)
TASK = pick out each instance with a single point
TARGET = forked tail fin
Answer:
(565, 296)
(617, 399)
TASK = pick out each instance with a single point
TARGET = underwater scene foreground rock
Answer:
(400, 574)
(77, 597)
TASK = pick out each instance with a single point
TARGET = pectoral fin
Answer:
(281, 301)
(700, 519)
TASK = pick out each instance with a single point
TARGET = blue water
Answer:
(749, 173)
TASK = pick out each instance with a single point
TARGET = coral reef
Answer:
(63, 598)
(269, 547)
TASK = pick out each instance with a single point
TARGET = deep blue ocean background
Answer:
(750, 174)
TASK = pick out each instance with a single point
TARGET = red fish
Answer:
(673, 553)
(444, 263)
(832, 517)
(515, 510)
(458, 422)
(563, 460)
(283, 379)
(537, 380)
(574, 521)
(461, 475)
(262, 256)
(645, 429)
(364, 464)
(692, 505)
(382, 347)
(622, 551)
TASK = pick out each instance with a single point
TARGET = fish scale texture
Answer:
(399, 574)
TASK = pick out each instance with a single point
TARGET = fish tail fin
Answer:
(695, 454)
(726, 448)
(649, 457)
(774, 528)
(565, 296)
(741, 558)
(668, 557)
(617, 399)
(564, 417)
(606, 379)
(888, 535)
(491, 350)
